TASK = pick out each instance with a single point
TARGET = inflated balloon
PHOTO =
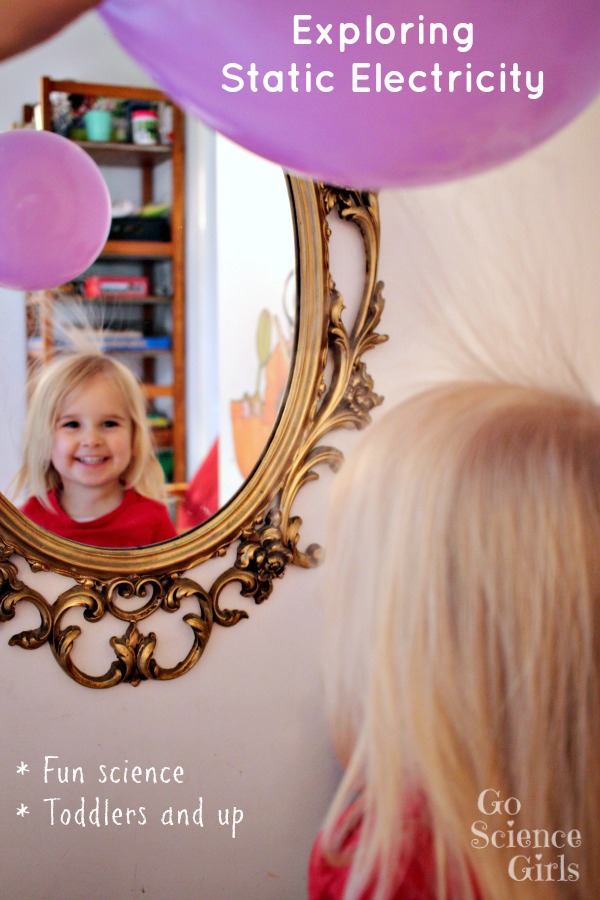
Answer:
(371, 94)
(54, 210)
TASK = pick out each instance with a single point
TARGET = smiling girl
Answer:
(88, 462)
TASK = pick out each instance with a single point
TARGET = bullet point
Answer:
(23, 768)
(22, 810)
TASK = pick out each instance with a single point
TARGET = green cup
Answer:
(98, 124)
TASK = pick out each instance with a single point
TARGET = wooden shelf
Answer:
(111, 153)
(141, 249)
(118, 91)
(141, 351)
(157, 390)
(67, 297)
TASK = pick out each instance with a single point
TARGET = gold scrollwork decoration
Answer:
(13, 591)
(134, 650)
(329, 388)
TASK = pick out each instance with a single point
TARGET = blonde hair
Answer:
(57, 380)
(463, 641)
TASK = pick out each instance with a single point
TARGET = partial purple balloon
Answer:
(54, 210)
(371, 94)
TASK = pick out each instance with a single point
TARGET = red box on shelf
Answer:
(124, 286)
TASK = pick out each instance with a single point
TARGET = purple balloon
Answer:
(55, 210)
(309, 84)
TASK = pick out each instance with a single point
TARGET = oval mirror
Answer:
(255, 535)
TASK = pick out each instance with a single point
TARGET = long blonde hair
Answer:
(463, 636)
(55, 381)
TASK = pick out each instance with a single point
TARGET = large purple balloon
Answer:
(54, 210)
(365, 127)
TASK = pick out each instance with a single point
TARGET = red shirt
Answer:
(417, 876)
(137, 522)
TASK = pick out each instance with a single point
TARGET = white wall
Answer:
(247, 723)
(499, 273)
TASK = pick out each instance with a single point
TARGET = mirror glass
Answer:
(240, 320)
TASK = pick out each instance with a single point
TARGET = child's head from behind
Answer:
(77, 383)
(463, 629)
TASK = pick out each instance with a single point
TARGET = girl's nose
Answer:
(90, 437)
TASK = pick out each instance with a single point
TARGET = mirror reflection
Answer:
(238, 323)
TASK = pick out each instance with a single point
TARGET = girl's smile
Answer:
(91, 447)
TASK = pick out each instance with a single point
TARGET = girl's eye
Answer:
(70, 424)
(110, 423)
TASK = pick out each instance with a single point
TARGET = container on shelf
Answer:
(98, 124)
(144, 126)
(125, 287)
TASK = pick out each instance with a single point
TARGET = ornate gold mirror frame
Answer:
(329, 388)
